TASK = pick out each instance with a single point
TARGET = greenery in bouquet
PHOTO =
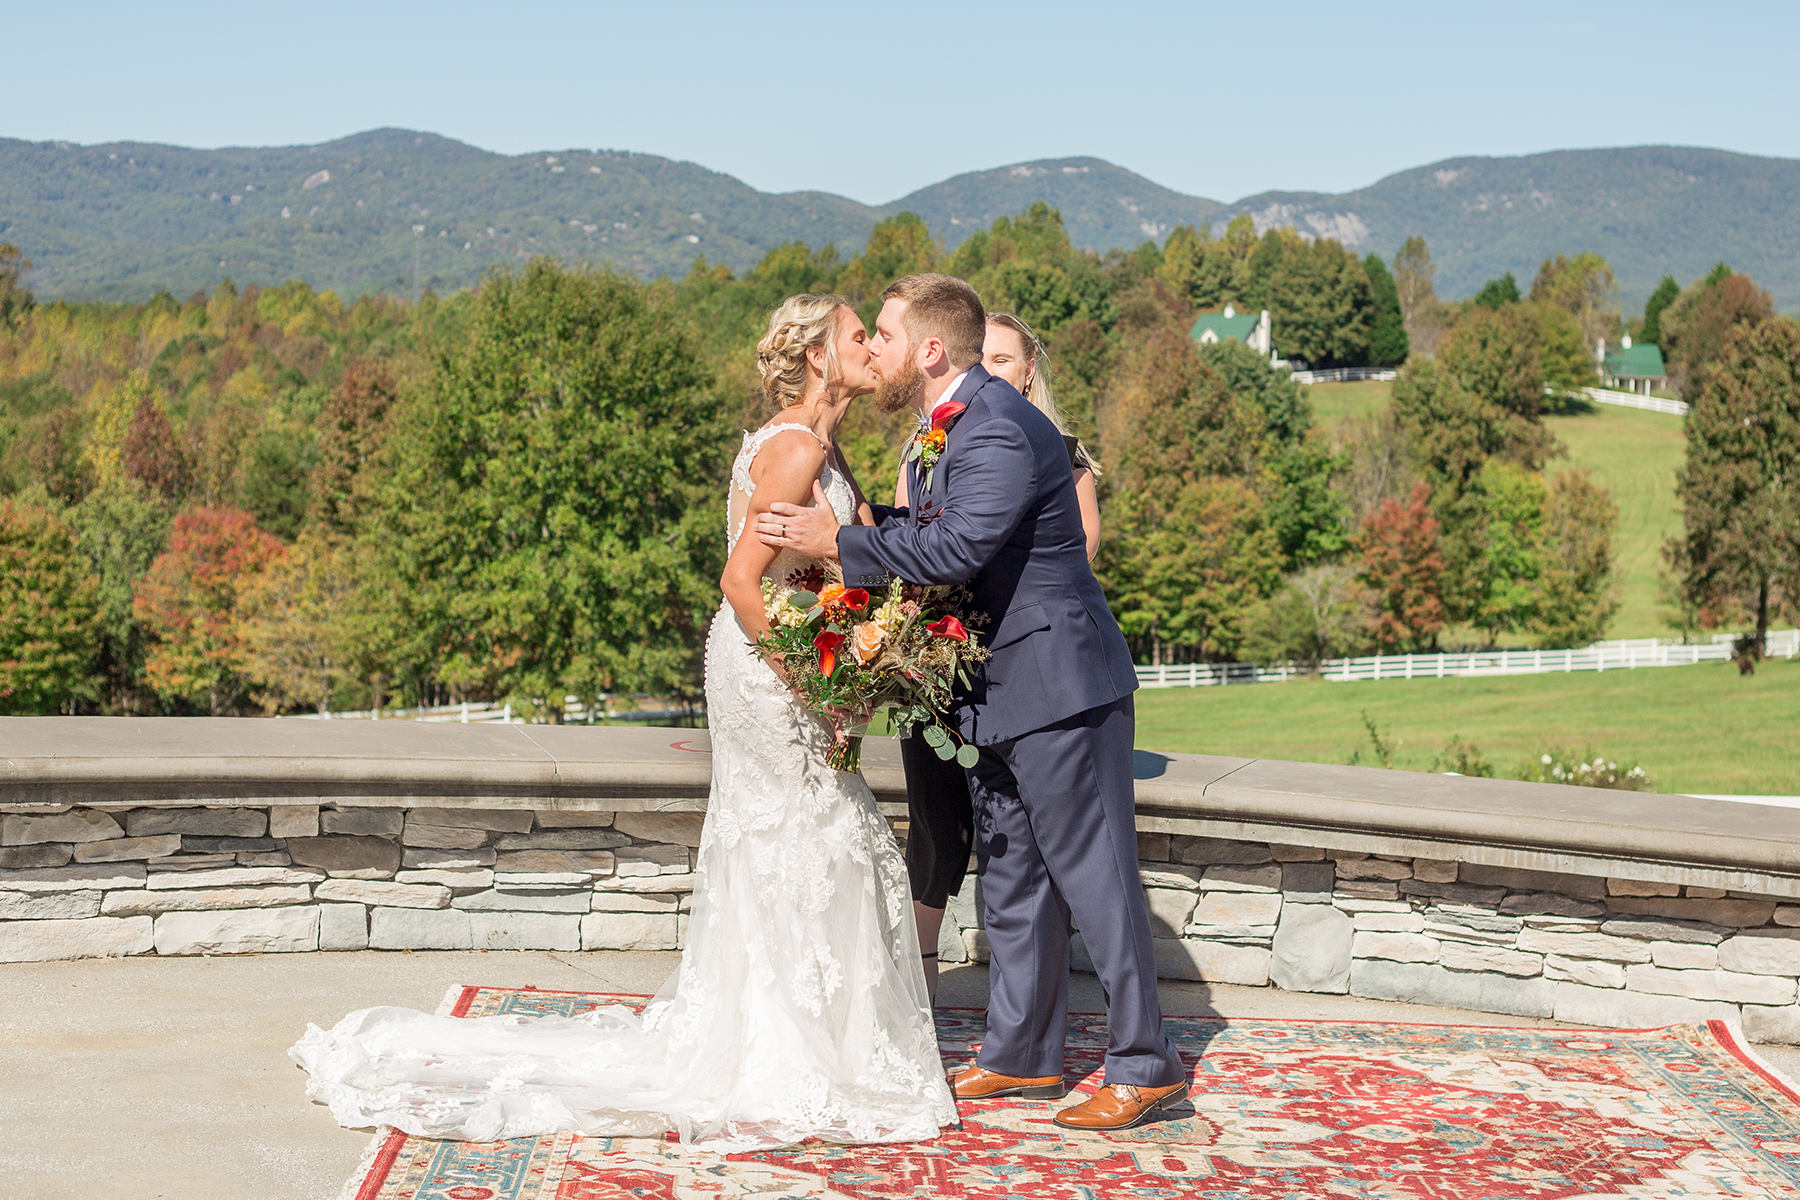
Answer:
(850, 651)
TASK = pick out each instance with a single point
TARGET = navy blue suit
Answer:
(1051, 711)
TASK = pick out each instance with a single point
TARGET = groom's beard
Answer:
(896, 391)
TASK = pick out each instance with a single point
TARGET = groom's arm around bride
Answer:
(1051, 710)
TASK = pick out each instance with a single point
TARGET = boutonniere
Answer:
(928, 442)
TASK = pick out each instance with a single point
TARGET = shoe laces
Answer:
(1130, 1091)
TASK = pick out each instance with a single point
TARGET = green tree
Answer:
(15, 300)
(1697, 324)
(1286, 412)
(1494, 354)
(552, 517)
(1317, 294)
(1303, 506)
(1388, 345)
(1503, 578)
(1186, 568)
(1575, 599)
(1583, 287)
(49, 639)
(1661, 298)
(1738, 557)
(1564, 356)
(1496, 293)
(122, 527)
(299, 626)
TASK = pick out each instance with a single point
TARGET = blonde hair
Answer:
(796, 326)
(1037, 389)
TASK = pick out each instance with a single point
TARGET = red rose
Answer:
(826, 644)
(943, 414)
(948, 626)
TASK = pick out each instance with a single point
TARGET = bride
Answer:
(799, 1009)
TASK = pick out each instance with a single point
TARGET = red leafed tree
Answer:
(1403, 569)
(189, 599)
(152, 456)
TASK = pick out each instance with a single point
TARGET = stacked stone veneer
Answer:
(88, 883)
(242, 880)
(1589, 950)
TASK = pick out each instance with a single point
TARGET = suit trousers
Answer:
(1055, 840)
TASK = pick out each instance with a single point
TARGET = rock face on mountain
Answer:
(394, 210)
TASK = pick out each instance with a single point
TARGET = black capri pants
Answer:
(941, 823)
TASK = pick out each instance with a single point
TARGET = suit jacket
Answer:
(1002, 514)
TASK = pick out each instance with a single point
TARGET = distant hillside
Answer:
(1650, 210)
(120, 221)
(1103, 206)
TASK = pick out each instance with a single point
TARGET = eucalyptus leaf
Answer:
(935, 736)
(930, 474)
(944, 750)
(967, 756)
(803, 600)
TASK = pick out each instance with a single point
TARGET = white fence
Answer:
(1601, 656)
(574, 713)
(1344, 375)
(1632, 400)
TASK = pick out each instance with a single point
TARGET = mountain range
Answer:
(391, 210)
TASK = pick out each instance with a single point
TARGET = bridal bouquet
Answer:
(847, 651)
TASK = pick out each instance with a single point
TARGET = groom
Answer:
(1051, 711)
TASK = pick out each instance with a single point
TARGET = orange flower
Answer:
(826, 644)
(935, 440)
(834, 592)
(867, 641)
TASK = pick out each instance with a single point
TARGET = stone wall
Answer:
(1589, 950)
(1595, 951)
(89, 883)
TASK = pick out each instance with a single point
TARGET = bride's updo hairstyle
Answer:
(802, 322)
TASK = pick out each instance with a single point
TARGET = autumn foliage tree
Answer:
(1402, 568)
(152, 454)
(190, 601)
(49, 638)
(351, 428)
(1738, 557)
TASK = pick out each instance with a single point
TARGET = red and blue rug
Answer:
(1295, 1110)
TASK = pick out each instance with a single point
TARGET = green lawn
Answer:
(1332, 402)
(1694, 729)
(1635, 456)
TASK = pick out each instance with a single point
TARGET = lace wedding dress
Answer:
(799, 1009)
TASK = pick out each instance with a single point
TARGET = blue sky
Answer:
(875, 100)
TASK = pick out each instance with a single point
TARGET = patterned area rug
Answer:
(1288, 1109)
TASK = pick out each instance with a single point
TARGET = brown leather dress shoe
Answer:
(1121, 1105)
(975, 1082)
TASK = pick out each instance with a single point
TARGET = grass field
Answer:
(1694, 729)
(1635, 456)
(1632, 454)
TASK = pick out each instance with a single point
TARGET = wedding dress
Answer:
(799, 1009)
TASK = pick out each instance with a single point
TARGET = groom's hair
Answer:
(942, 307)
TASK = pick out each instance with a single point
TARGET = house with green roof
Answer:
(1631, 368)
(1247, 328)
